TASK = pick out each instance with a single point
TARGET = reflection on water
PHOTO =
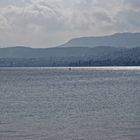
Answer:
(80, 104)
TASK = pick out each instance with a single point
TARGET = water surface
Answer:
(77, 104)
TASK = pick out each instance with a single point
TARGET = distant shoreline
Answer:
(74, 68)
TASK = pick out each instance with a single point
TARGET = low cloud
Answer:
(132, 3)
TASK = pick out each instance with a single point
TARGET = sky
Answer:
(49, 23)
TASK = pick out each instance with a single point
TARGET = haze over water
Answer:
(77, 104)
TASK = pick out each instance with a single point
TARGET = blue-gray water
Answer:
(62, 104)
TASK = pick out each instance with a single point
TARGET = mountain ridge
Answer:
(73, 54)
(127, 40)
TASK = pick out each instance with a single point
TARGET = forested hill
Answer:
(71, 56)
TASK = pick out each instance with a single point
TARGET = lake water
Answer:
(77, 104)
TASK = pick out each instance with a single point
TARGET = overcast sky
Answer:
(46, 23)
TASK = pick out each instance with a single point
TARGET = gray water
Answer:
(77, 104)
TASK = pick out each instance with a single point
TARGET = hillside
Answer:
(118, 49)
(72, 56)
(125, 40)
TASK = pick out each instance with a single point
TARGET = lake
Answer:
(70, 104)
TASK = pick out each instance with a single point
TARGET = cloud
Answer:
(132, 3)
(43, 23)
(128, 20)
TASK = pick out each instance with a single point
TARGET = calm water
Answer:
(58, 104)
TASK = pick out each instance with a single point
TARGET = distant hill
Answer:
(125, 40)
(71, 56)
(118, 49)
(77, 52)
